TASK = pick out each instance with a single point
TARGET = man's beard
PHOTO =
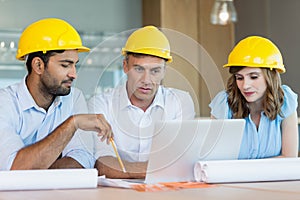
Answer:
(57, 90)
(62, 91)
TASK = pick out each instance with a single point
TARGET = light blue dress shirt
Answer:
(23, 122)
(266, 141)
(132, 127)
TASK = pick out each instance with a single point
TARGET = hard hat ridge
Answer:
(256, 51)
(148, 40)
(49, 34)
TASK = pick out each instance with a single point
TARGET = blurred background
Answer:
(199, 47)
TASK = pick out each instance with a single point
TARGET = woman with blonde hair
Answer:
(254, 92)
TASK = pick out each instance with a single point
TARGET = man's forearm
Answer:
(44, 153)
(110, 167)
(65, 163)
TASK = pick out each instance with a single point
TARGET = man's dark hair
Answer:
(43, 56)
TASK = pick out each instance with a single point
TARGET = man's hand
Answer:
(94, 122)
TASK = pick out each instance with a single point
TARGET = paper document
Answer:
(139, 185)
(270, 169)
(102, 181)
(48, 179)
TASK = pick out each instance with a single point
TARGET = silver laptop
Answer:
(178, 145)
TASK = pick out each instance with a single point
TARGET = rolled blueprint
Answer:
(48, 179)
(254, 170)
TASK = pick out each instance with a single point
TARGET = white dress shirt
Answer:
(23, 122)
(132, 127)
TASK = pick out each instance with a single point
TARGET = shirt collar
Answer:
(159, 98)
(27, 101)
(125, 102)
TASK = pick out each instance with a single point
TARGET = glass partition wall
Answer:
(97, 70)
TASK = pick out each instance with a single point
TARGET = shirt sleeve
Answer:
(219, 106)
(81, 146)
(290, 102)
(10, 142)
(100, 104)
(184, 104)
(188, 110)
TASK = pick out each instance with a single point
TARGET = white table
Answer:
(262, 190)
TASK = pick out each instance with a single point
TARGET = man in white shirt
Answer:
(133, 108)
(40, 116)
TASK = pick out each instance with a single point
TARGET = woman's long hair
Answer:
(273, 98)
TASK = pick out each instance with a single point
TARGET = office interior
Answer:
(199, 51)
(199, 48)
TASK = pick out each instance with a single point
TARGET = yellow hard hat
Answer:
(148, 40)
(49, 34)
(256, 51)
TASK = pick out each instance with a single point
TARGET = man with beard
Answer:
(133, 108)
(40, 117)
